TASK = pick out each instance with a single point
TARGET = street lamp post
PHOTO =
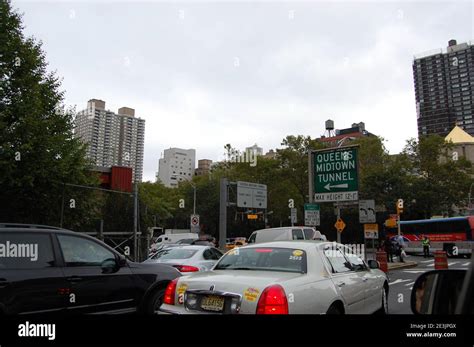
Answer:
(194, 200)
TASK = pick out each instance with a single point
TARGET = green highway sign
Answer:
(335, 174)
(311, 207)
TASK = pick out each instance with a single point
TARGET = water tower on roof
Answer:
(329, 128)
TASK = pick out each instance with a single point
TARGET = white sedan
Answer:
(282, 277)
(187, 258)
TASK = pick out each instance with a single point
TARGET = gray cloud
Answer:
(205, 74)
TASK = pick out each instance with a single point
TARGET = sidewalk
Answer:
(398, 265)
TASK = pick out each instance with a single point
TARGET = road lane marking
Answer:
(466, 264)
(427, 261)
(398, 281)
(414, 271)
(409, 284)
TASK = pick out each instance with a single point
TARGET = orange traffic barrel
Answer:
(381, 257)
(441, 260)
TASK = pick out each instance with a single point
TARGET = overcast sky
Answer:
(203, 74)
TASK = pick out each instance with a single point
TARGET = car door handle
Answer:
(74, 279)
(340, 284)
(3, 283)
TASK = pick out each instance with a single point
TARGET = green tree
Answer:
(438, 184)
(38, 151)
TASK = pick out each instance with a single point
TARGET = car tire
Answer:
(333, 309)
(154, 301)
(384, 308)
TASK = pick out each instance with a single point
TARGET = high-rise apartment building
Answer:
(444, 91)
(177, 165)
(114, 139)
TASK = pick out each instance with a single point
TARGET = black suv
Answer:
(46, 269)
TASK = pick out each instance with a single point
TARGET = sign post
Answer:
(399, 212)
(339, 225)
(311, 215)
(366, 211)
(195, 223)
(293, 216)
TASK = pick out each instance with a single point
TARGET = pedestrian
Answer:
(387, 245)
(401, 253)
(426, 246)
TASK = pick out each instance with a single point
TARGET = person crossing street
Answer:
(426, 246)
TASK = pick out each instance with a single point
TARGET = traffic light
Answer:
(399, 206)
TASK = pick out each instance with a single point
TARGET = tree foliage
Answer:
(37, 150)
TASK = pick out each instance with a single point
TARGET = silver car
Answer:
(187, 258)
(282, 277)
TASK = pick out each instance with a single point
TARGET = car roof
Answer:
(34, 228)
(196, 247)
(303, 244)
(284, 228)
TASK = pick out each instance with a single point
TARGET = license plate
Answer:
(212, 303)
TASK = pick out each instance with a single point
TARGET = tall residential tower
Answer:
(114, 139)
(444, 91)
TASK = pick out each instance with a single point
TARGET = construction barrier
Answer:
(381, 257)
(441, 260)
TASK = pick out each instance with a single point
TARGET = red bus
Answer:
(455, 235)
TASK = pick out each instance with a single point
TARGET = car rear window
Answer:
(174, 253)
(297, 234)
(308, 234)
(26, 251)
(265, 258)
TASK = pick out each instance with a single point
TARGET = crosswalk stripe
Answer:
(414, 271)
(398, 281)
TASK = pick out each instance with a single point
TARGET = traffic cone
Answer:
(381, 257)
(441, 260)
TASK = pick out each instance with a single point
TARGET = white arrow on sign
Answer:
(329, 186)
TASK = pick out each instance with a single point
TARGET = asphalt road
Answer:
(402, 280)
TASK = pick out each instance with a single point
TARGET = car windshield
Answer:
(185, 241)
(264, 259)
(174, 253)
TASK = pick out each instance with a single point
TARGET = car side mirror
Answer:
(373, 264)
(122, 261)
(437, 292)
(109, 265)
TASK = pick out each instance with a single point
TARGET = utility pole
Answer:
(135, 223)
(338, 213)
(223, 199)
(194, 201)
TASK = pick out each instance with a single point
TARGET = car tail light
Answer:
(273, 301)
(170, 292)
(186, 268)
